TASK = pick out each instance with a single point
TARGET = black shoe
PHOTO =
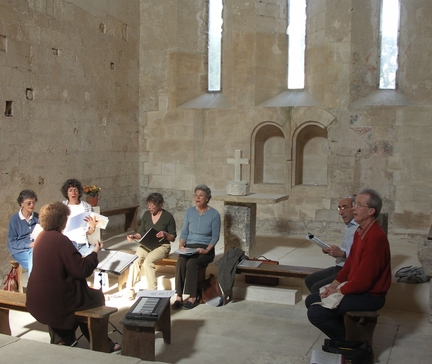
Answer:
(189, 305)
(177, 305)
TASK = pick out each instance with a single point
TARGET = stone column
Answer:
(240, 226)
(424, 254)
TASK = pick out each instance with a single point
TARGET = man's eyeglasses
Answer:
(29, 203)
(343, 208)
(356, 204)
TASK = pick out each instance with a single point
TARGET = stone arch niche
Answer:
(269, 155)
(310, 154)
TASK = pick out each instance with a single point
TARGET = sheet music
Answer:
(77, 221)
(155, 293)
(317, 241)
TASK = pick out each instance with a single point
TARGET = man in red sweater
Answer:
(366, 274)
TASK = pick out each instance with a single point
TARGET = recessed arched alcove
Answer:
(269, 159)
(310, 155)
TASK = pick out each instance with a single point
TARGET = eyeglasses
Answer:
(356, 204)
(29, 203)
(343, 208)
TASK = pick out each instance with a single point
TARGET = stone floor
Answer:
(255, 332)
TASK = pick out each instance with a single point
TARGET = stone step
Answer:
(284, 295)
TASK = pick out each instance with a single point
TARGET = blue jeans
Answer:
(330, 322)
(25, 259)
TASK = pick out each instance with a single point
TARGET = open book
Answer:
(78, 221)
(114, 261)
(317, 241)
(149, 241)
(186, 251)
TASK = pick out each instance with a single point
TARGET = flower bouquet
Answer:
(92, 190)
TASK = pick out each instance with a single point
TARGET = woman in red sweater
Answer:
(366, 273)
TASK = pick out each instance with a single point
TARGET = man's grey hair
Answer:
(205, 189)
(375, 200)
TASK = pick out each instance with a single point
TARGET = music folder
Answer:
(145, 308)
(149, 241)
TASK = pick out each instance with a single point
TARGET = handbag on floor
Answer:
(211, 293)
(265, 281)
(10, 281)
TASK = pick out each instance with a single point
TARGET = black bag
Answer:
(356, 351)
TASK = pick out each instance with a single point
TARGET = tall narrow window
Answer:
(296, 43)
(215, 45)
(390, 16)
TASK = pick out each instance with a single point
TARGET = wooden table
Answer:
(130, 213)
(139, 335)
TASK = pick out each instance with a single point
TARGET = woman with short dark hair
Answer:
(73, 190)
(162, 221)
(21, 226)
(58, 285)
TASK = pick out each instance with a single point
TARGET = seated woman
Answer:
(21, 226)
(73, 190)
(58, 285)
(201, 230)
(162, 221)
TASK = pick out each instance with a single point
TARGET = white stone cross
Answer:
(238, 161)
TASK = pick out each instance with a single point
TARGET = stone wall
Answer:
(375, 138)
(70, 69)
(106, 91)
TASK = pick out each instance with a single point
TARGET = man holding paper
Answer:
(319, 279)
(365, 278)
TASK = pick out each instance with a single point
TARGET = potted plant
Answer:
(92, 193)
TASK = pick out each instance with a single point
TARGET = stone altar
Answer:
(240, 218)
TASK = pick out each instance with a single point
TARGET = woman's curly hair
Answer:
(54, 216)
(72, 183)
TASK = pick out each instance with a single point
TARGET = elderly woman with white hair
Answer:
(201, 230)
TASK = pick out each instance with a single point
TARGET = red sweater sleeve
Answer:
(367, 269)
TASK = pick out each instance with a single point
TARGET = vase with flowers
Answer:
(92, 193)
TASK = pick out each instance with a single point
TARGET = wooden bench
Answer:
(360, 326)
(277, 271)
(264, 270)
(96, 318)
(130, 213)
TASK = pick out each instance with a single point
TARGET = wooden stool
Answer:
(139, 335)
(16, 265)
(360, 326)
